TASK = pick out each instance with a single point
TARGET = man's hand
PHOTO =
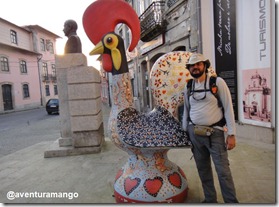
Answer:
(231, 142)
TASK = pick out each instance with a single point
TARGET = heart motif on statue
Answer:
(153, 186)
(131, 184)
(118, 175)
(175, 179)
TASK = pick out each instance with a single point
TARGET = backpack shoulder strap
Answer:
(214, 89)
(189, 88)
(189, 83)
(212, 85)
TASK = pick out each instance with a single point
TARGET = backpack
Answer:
(213, 88)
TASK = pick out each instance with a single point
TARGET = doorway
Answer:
(7, 97)
(145, 87)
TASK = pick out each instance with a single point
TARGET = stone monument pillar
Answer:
(81, 123)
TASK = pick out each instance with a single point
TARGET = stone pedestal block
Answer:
(64, 113)
(83, 91)
(70, 60)
(85, 107)
(86, 123)
(65, 142)
(83, 74)
(79, 91)
(83, 138)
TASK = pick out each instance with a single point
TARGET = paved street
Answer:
(23, 168)
(23, 129)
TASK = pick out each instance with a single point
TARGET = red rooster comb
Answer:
(102, 16)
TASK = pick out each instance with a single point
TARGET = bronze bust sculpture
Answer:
(73, 44)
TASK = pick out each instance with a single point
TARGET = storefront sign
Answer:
(151, 45)
(225, 45)
(255, 61)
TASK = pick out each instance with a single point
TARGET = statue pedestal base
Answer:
(149, 177)
(81, 121)
(55, 150)
(180, 198)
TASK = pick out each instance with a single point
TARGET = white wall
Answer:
(207, 30)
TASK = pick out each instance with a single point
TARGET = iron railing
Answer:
(48, 78)
(152, 21)
(170, 3)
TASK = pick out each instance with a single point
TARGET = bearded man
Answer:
(206, 123)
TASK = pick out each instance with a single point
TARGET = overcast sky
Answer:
(51, 15)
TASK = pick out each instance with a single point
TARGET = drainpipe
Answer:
(199, 26)
(40, 84)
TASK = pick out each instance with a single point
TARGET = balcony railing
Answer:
(170, 3)
(53, 78)
(152, 21)
(48, 78)
(45, 78)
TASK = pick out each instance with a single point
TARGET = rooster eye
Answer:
(109, 40)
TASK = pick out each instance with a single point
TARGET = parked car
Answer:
(52, 106)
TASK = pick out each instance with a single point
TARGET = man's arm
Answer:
(225, 96)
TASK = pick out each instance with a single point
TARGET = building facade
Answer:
(27, 69)
(165, 26)
(218, 29)
(44, 43)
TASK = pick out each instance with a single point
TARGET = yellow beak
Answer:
(98, 49)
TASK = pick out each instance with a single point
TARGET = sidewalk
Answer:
(92, 176)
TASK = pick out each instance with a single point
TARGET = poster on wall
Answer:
(225, 45)
(254, 61)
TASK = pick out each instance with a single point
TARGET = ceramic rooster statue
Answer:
(148, 175)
